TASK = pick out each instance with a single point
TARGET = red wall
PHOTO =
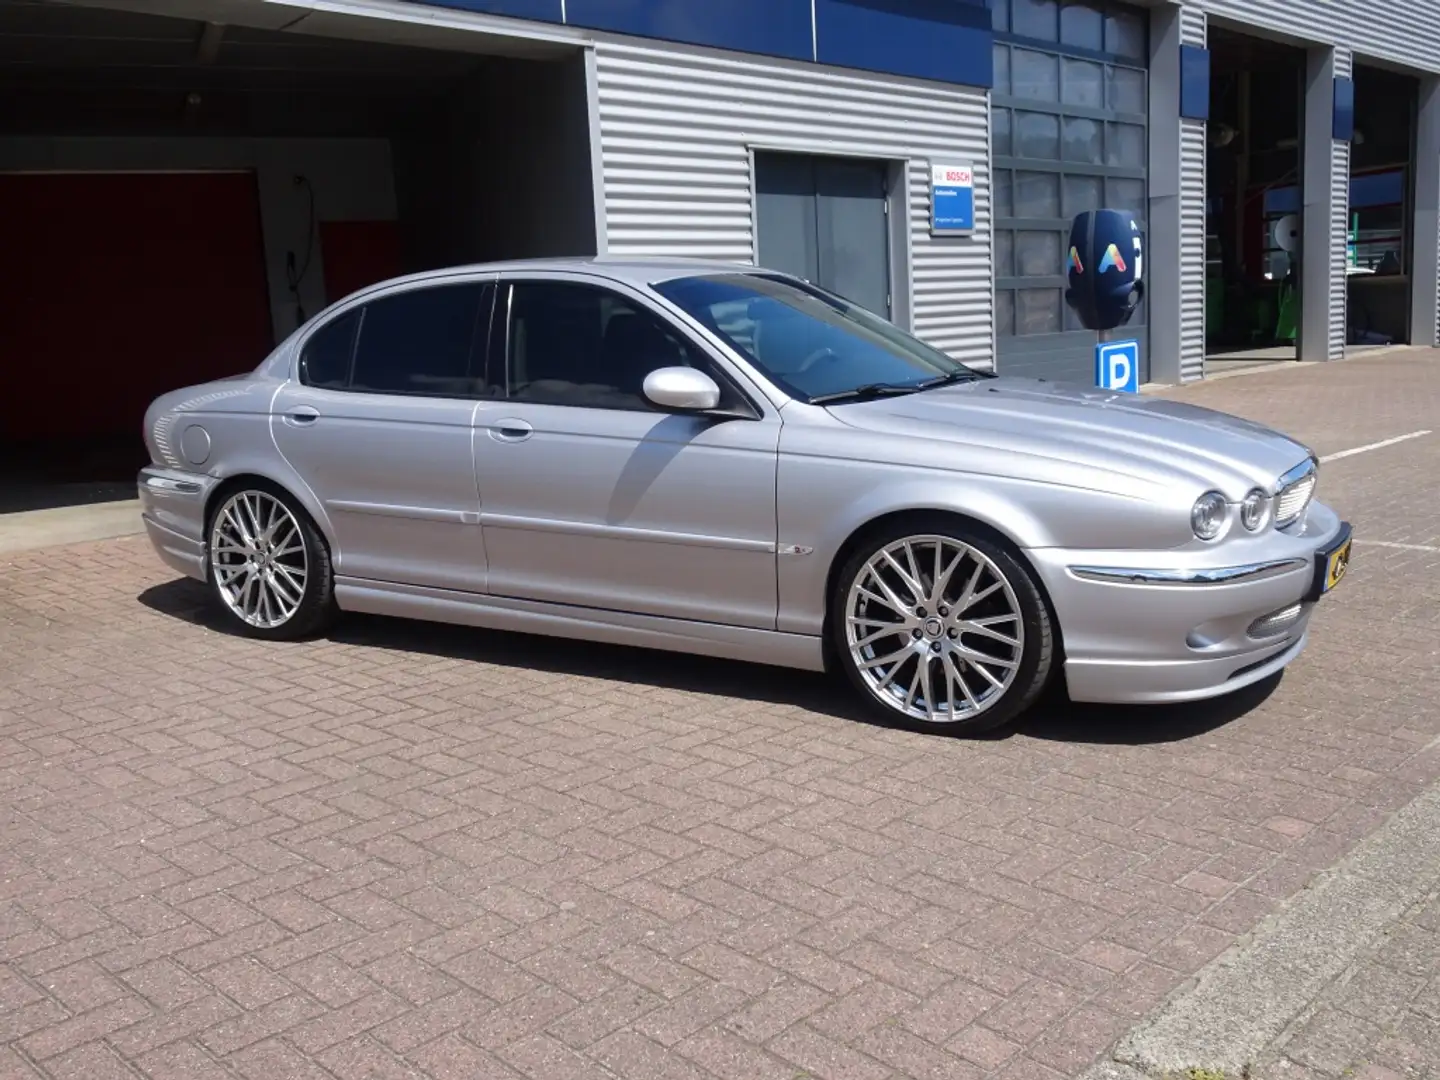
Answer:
(357, 254)
(115, 287)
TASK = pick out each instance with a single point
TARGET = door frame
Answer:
(897, 212)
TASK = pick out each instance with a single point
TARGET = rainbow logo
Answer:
(1112, 258)
(1075, 261)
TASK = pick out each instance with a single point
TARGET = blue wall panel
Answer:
(539, 10)
(771, 27)
(1194, 82)
(947, 40)
(1342, 124)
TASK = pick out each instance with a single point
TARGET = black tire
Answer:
(316, 609)
(1032, 671)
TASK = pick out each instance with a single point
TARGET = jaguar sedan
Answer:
(724, 460)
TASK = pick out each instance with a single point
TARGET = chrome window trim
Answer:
(1222, 575)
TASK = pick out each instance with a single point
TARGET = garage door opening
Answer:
(178, 195)
(1252, 201)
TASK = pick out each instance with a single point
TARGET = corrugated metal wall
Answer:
(1192, 222)
(1339, 223)
(1405, 31)
(675, 131)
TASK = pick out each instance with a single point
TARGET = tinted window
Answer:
(326, 359)
(580, 345)
(810, 342)
(425, 341)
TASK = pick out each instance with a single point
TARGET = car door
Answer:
(378, 423)
(590, 496)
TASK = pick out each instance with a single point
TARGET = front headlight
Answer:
(1207, 517)
(1252, 510)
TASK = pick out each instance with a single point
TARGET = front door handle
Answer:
(302, 414)
(511, 430)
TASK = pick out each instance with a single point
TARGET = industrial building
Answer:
(185, 181)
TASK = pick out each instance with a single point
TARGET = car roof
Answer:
(631, 270)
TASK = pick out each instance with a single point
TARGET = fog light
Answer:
(1276, 623)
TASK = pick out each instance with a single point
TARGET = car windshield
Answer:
(811, 343)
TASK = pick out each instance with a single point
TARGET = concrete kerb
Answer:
(1223, 1021)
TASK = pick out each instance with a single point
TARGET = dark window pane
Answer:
(326, 358)
(1037, 195)
(1125, 90)
(1002, 69)
(1000, 131)
(1125, 33)
(1081, 193)
(1034, 19)
(1125, 146)
(1037, 135)
(1082, 26)
(1004, 253)
(1000, 192)
(1084, 84)
(1037, 311)
(1037, 254)
(1124, 194)
(1000, 15)
(1004, 313)
(423, 342)
(1083, 140)
(579, 345)
(1035, 75)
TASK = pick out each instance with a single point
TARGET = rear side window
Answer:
(326, 359)
(428, 341)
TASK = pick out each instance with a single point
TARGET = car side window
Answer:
(426, 341)
(572, 344)
(325, 360)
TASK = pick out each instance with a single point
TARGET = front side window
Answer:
(426, 341)
(572, 344)
(809, 342)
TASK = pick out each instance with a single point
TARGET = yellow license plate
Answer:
(1336, 565)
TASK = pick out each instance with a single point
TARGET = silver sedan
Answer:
(723, 460)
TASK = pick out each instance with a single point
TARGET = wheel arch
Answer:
(299, 492)
(884, 521)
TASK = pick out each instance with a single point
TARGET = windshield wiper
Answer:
(867, 392)
(961, 376)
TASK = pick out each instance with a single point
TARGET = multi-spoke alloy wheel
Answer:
(943, 629)
(263, 562)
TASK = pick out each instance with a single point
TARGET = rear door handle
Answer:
(302, 414)
(511, 430)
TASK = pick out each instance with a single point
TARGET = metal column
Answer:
(1425, 242)
(1325, 187)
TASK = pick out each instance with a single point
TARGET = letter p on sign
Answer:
(1117, 366)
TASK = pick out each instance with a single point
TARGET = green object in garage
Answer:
(1285, 322)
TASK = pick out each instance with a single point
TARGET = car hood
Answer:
(1027, 423)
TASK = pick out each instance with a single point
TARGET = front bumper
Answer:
(1148, 628)
(172, 506)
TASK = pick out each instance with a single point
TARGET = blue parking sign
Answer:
(1117, 366)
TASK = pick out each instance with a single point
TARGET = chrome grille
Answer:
(1294, 491)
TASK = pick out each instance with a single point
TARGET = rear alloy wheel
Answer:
(942, 629)
(269, 566)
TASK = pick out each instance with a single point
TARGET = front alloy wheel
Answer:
(268, 564)
(942, 629)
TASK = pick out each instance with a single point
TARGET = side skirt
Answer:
(586, 624)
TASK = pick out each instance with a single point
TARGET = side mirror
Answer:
(682, 389)
(1104, 264)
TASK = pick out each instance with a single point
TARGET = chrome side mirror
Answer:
(681, 389)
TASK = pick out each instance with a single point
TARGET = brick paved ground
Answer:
(413, 851)
(1383, 1021)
